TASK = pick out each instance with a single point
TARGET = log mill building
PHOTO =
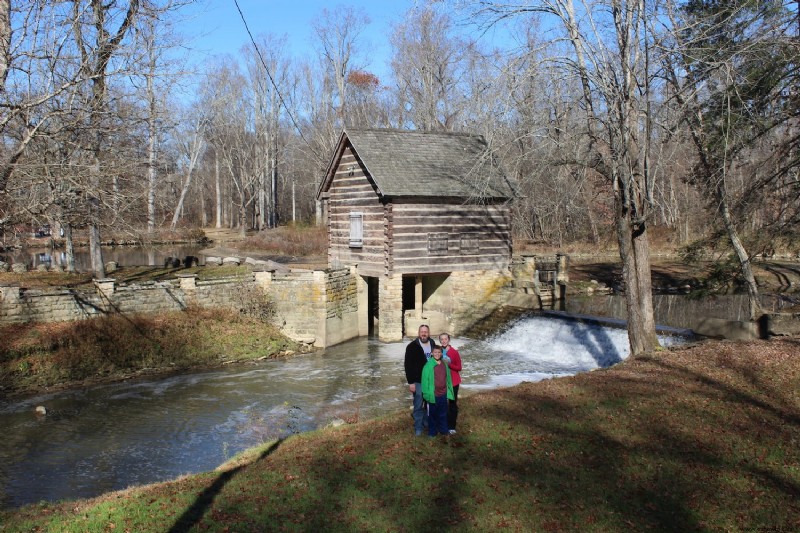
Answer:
(423, 220)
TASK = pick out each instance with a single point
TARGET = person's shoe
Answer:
(452, 431)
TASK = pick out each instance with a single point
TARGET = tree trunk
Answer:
(96, 252)
(151, 150)
(634, 250)
(273, 203)
(754, 302)
(203, 214)
(179, 208)
(5, 40)
(69, 249)
(218, 190)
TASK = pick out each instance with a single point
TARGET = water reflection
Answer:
(679, 311)
(122, 255)
(110, 437)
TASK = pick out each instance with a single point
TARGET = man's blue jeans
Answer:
(419, 410)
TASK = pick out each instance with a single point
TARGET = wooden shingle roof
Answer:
(413, 163)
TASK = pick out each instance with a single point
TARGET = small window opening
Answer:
(437, 243)
(356, 230)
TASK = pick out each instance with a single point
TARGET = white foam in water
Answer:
(539, 348)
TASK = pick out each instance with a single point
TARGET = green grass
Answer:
(703, 438)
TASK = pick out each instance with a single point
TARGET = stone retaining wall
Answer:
(318, 307)
(321, 308)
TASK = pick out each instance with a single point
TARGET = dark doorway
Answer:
(373, 301)
(409, 283)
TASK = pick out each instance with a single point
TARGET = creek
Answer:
(113, 436)
(680, 310)
(122, 255)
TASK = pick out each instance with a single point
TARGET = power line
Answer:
(272, 81)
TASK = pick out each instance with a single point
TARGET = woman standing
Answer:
(453, 360)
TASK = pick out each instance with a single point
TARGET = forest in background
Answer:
(614, 117)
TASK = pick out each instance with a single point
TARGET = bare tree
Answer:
(429, 64)
(610, 45)
(36, 70)
(269, 73)
(192, 146)
(337, 35)
(734, 75)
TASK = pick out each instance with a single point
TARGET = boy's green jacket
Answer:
(427, 382)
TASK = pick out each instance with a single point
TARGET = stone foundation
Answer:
(321, 308)
(318, 308)
(390, 304)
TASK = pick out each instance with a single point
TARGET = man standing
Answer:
(418, 352)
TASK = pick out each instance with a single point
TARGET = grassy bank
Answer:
(38, 356)
(700, 438)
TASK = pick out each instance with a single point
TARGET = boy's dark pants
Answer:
(437, 417)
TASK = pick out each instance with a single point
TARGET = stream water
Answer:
(110, 437)
(680, 310)
(122, 255)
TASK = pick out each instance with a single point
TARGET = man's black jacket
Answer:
(415, 360)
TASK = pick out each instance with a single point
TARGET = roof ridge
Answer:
(420, 132)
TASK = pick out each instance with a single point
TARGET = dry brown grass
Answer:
(698, 438)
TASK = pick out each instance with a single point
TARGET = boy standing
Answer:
(437, 389)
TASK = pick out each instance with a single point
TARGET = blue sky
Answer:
(215, 26)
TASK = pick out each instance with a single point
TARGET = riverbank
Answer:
(698, 438)
(670, 274)
(41, 357)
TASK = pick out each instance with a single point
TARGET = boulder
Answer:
(273, 266)
(719, 328)
(232, 261)
(111, 266)
(783, 324)
(19, 268)
(4, 267)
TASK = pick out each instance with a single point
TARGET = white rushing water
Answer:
(538, 348)
(113, 436)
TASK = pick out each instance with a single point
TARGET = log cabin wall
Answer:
(435, 236)
(418, 235)
(352, 192)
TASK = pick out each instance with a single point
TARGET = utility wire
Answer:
(274, 85)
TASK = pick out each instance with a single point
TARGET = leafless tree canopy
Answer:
(670, 119)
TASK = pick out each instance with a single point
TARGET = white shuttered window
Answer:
(356, 229)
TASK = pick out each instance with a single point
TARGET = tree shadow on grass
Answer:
(779, 407)
(205, 499)
(656, 470)
(661, 445)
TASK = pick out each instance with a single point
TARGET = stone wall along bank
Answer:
(314, 307)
